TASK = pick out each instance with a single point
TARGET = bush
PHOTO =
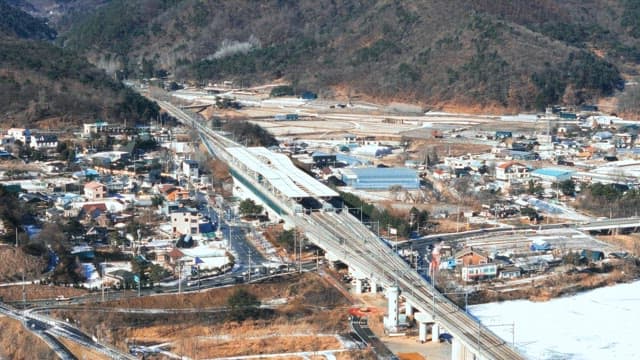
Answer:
(243, 305)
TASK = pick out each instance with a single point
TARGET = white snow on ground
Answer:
(593, 325)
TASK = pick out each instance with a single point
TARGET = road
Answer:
(361, 328)
(49, 330)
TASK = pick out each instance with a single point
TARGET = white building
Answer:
(41, 142)
(512, 172)
(190, 169)
(22, 134)
(95, 191)
(94, 128)
(184, 221)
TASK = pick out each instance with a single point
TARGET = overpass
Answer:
(277, 182)
(611, 224)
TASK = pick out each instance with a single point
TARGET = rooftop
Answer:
(552, 172)
(281, 173)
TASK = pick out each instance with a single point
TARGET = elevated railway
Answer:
(269, 176)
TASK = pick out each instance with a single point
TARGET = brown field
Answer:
(630, 243)
(279, 343)
(15, 261)
(22, 344)
(38, 292)
(313, 307)
(80, 351)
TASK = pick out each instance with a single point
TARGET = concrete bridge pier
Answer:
(423, 319)
(456, 350)
(435, 332)
(374, 285)
(408, 308)
(358, 288)
(391, 321)
(461, 352)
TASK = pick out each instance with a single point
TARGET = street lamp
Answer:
(513, 330)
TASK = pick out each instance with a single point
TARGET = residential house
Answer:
(90, 212)
(471, 256)
(22, 134)
(95, 191)
(479, 272)
(512, 172)
(184, 221)
(510, 272)
(176, 194)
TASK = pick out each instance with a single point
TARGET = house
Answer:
(501, 135)
(512, 172)
(184, 221)
(479, 272)
(471, 256)
(95, 191)
(350, 138)
(592, 255)
(510, 272)
(92, 211)
(43, 142)
(22, 134)
(176, 194)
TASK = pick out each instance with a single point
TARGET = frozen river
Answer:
(594, 325)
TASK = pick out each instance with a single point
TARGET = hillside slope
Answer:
(509, 54)
(39, 80)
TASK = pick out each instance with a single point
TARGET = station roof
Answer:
(281, 173)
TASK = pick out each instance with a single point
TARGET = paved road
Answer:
(362, 330)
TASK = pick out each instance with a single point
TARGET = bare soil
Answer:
(14, 261)
(630, 242)
(82, 352)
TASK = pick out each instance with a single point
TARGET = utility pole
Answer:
(179, 277)
(24, 292)
(16, 236)
(249, 265)
(300, 259)
(479, 324)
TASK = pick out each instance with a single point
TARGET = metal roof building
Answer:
(552, 174)
(278, 174)
(380, 178)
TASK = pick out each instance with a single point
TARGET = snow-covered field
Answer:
(598, 324)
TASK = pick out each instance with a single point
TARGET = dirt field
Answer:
(22, 344)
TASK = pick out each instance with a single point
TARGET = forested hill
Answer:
(15, 22)
(519, 54)
(41, 81)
